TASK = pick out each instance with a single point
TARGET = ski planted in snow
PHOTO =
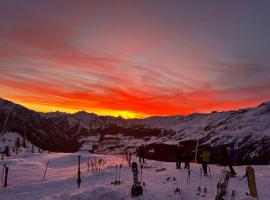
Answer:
(136, 188)
(251, 181)
(222, 185)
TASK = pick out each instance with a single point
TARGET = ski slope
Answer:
(26, 172)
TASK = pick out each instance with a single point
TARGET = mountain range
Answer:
(245, 130)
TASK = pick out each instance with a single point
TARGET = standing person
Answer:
(179, 153)
(231, 159)
(141, 153)
(187, 157)
(205, 160)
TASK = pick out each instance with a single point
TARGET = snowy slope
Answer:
(25, 180)
(246, 130)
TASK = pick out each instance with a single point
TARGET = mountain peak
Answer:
(4, 100)
(267, 103)
(8, 105)
(84, 114)
(264, 107)
(54, 114)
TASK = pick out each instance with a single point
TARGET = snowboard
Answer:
(222, 185)
(251, 181)
(136, 188)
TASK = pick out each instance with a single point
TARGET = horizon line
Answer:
(128, 118)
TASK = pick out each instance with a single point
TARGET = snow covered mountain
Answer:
(10, 141)
(40, 131)
(247, 130)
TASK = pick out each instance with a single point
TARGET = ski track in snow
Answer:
(26, 172)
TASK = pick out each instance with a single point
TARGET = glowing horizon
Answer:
(117, 113)
(114, 113)
(172, 58)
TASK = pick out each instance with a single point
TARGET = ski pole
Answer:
(123, 160)
(129, 159)
(45, 171)
(3, 175)
(6, 176)
(189, 173)
(210, 176)
(104, 163)
(199, 187)
(88, 165)
(99, 165)
(115, 173)
(233, 195)
(200, 177)
(120, 167)
(186, 195)
(141, 172)
(79, 172)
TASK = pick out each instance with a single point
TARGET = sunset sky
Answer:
(135, 58)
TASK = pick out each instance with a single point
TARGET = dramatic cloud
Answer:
(134, 58)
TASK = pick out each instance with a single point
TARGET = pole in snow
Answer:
(6, 177)
(3, 175)
(45, 171)
(196, 151)
(79, 172)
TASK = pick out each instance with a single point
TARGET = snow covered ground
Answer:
(26, 172)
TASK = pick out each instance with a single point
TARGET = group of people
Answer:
(184, 154)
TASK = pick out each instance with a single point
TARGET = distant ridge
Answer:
(247, 130)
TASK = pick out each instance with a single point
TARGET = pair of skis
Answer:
(117, 180)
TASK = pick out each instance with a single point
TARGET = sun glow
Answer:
(101, 112)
